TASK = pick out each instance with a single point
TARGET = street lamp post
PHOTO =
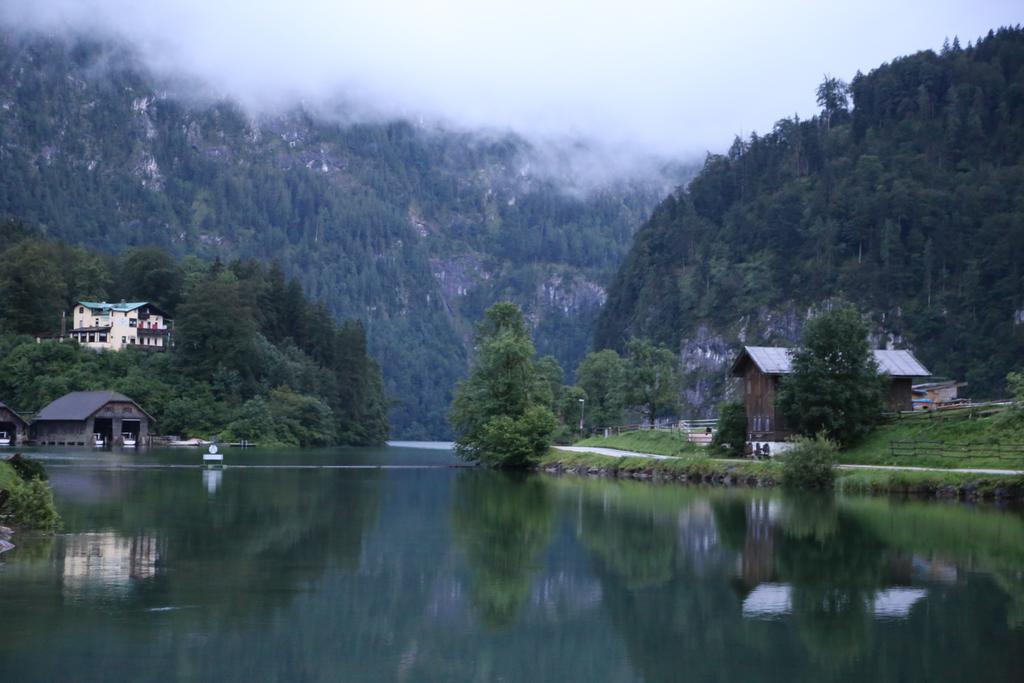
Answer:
(582, 402)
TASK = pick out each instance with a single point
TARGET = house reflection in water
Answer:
(106, 562)
(757, 561)
(775, 600)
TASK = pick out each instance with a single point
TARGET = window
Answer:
(103, 337)
(81, 310)
(92, 337)
(124, 340)
(133, 322)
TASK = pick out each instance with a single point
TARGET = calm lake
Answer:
(281, 571)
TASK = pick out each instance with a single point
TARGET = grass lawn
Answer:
(658, 442)
(952, 428)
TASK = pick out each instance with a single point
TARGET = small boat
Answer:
(188, 443)
(98, 441)
(129, 440)
(5, 439)
(213, 455)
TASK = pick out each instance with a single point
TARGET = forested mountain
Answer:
(413, 230)
(910, 204)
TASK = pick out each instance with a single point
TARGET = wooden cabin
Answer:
(760, 367)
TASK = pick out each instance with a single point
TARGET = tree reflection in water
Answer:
(835, 567)
(502, 523)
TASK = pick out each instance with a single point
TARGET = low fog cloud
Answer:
(670, 79)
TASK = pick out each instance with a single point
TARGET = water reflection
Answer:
(212, 479)
(106, 563)
(471, 575)
(814, 579)
(501, 522)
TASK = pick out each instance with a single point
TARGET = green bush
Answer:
(27, 468)
(731, 436)
(810, 464)
(507, 441)
(31, 505)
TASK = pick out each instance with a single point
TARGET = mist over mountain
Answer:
(413, 229)
(641, 80)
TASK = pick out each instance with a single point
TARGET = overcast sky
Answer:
(669, 78)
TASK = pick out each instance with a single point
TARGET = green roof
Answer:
(103, 305)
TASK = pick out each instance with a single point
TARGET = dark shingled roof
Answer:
(80, 405)
(4, 406)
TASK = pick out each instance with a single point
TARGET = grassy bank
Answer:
(955, 429)
(937, 484)
(697, 469)
(694, 468)
(656, 442)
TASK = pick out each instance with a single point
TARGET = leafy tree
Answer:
(501, 413)
(650, 378)
(731, 435)
(572, 404)
(1014, 417)
(549, 368)
(831, 97)
(600, 375)
(216, 328)
(150, 274)
(1015, 384)
(834, 387)
(284, 418)
(31, 289)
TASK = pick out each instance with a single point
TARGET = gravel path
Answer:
(616, 453)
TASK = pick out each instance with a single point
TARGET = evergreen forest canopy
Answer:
(253, 358)
(907, 201)
(414, 231)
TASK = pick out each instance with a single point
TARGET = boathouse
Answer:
(760, 367)
(13, 425)
(73, 419)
